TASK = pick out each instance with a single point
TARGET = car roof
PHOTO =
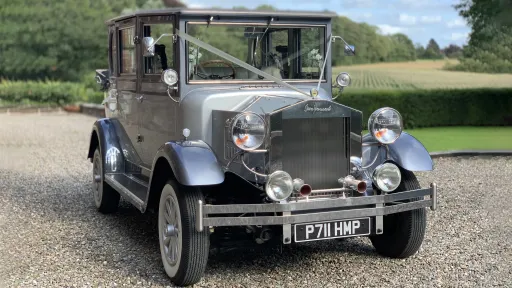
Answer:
(224, 12)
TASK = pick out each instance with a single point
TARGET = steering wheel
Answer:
(215, 76)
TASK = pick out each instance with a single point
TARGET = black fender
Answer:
(193, 163)
(407, 152)
(104, 135)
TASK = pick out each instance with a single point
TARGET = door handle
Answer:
(140, 98)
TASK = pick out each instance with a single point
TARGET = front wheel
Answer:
(403, 232)
(184, 251)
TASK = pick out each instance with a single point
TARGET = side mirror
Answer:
(350, 50)
(102, 76)
(148, 44)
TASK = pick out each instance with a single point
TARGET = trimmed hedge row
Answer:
(442, 107)
(419, 108)
(51, 92)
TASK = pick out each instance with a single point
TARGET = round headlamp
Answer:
(385, 125)
(248, 131)
(343, 79)
(387, 177)
(279, 186)
(170, 77)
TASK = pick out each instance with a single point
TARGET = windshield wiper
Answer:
(237, 61)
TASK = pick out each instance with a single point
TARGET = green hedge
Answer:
(51, 92)
(431, 108)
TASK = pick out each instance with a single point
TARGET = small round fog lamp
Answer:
(387, 177)
(279, 186)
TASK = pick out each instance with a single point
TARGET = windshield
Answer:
(288, 53)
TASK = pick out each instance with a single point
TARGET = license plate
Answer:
(334, 229)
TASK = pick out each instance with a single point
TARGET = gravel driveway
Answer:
(52, 236)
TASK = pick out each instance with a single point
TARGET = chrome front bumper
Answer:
(303, 212)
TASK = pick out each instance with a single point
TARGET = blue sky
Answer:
(419, 19)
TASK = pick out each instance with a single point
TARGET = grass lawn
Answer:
(464, 138)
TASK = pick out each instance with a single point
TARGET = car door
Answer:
(159, 109)
(127, 98)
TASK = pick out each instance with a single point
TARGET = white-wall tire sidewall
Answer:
(168, 191)
(98, 198)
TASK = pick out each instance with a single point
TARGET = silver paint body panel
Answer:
(407, 152)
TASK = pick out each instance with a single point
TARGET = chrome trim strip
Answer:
(433, 188)
(199, 216)
(330, 190)
(125, 192)
(324, 204)
(137, 180)
(312, 217)
(249, 81)
(379, 221)
(263, 24)
(372, 143)
(287, 230)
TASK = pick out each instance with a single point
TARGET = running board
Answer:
(130, 187)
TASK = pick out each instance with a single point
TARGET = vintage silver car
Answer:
(224, 124)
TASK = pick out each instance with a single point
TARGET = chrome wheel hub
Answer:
(171, 231)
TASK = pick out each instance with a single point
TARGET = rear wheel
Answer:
(403, 232)
(105, 197)
(184, 251)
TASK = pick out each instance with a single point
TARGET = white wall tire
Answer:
(105, 197)
(184, 251)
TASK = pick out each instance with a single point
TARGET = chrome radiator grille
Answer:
(315, 149)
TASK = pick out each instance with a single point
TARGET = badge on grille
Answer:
(314, 108)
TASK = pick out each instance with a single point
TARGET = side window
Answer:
(163, 58)
(127, 50)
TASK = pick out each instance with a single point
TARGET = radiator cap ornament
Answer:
(313, 92)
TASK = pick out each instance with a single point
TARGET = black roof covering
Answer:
(224, 12)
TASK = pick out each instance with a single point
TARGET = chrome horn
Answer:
(353, 183)
(299, 186)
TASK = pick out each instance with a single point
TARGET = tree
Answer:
(432, 51)
(432, 45)
(266, 8)
(453, 51)
(404, 48)
(420, 51)
(489, 47)
(174, 3)
(52, 39)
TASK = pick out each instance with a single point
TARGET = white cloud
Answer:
(456, 23)
(459, 36)
(359, 17)
(358, 3)
(388, 29)
(414, 3)
(407, 19)
(430, 19)
(424, 4)
(367, 15)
